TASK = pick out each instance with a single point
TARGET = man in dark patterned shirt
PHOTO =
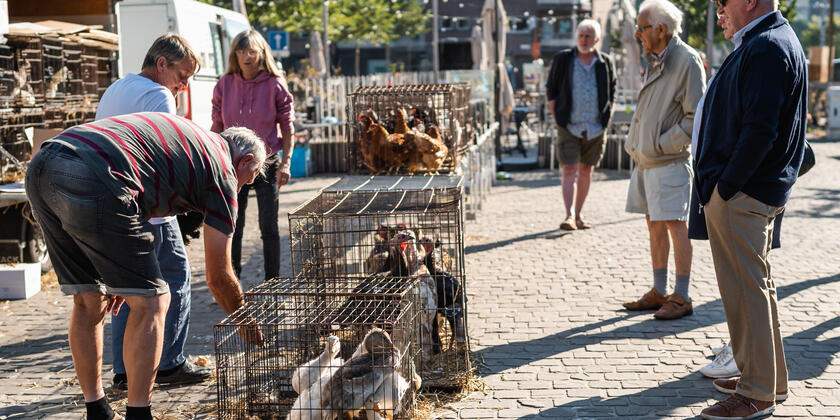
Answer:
(92, 187)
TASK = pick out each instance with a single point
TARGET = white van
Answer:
(209, 29)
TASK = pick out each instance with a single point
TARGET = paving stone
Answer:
(545, 312)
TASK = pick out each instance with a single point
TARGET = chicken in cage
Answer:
(397, 227)
(408, 129)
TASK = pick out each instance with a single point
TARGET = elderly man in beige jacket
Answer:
(659, 140)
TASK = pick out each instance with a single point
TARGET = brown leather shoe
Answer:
(738, 406)
(674, 308)
(651, 300)
(727, 386)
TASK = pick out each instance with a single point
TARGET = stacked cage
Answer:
(396, 226)
(408, 129)
(297, 350)
(21, 100)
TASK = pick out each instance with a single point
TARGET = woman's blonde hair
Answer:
(251, 39)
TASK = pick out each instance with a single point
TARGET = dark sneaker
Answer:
(120, 382)
(187, 373)
(738, 406)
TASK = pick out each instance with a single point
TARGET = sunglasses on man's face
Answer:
(719, 3)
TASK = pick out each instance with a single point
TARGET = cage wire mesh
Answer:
(391, 128)
(15, 147)
(28, 70)
(323, 355)
(395, 226)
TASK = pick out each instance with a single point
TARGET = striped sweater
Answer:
(167, 163)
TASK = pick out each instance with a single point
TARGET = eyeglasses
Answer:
(248, 52)
(719, 3)
(643, 27)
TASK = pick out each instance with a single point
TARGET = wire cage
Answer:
(74, 84)
(8, 82)
(106, 65)
(16, 148)
(89, 76)
(28, 70)
(396, 133)
(321, 355)
(395, 226)
(55, 74)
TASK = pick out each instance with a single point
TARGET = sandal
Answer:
(568, 224)
(580, 224)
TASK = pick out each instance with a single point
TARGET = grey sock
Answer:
(660, 280)
(681, 288)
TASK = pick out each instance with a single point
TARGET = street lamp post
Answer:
(326, 38)
(435, 41)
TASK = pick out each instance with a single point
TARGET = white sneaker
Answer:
(716, 350)
(723, 366)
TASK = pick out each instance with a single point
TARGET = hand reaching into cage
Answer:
(252, 333)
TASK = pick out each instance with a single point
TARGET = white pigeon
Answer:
(309, 373)
(307, 406)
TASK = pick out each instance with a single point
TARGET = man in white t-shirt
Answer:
(167, 67)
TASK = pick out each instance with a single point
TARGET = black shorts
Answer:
(95, 239)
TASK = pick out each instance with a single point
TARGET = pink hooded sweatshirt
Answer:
(260, 104)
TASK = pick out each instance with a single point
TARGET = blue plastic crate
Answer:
(301, 162)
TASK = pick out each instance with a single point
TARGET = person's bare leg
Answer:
(142, 345)
(583, 182)
(659, 245)
(682, 246)
(85, 336)
(569, 181)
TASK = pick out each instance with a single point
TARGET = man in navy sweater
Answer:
(750, 147)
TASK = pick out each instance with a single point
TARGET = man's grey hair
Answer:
(173, 48)
(663, 12)
(243, 141)
(591, 24)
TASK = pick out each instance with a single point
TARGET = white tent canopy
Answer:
(316, 54)
(494, 23)
(479, 49)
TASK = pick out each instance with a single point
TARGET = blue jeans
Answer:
(175, 268)
(268, 205)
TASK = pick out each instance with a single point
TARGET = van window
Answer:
(218, 59)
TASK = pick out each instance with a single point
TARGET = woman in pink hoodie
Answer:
(253, 93)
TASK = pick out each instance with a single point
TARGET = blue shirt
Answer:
(584, 116)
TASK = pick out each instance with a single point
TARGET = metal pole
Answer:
(435, 40)
(830, 41)
(497, 58)
(326, 38)
(239, 7)
(710, 32)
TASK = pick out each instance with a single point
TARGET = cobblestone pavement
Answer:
(544, 313)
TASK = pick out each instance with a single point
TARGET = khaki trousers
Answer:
(740, 234)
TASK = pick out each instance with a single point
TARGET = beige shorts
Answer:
(572, 149)
(662, 193)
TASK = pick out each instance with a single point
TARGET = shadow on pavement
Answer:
(827, 206)
(546, 234)
(516, 354)
(34, 346)
(43, 409)
(694, 388)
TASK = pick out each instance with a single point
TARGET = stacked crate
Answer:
(445, 106)
(350, 230)
(287, 323)
(21, 100)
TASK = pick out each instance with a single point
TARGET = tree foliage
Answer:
(374, 21)
(694, 14)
